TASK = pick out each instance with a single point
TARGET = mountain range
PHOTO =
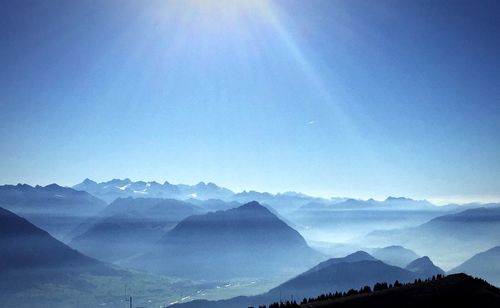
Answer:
(248, 241)
(210, 236)
(395, 255)
(117, 188)
(337, 274)
(122, 188)
(424, 267)
(485, 265)
(130, 226)
(30, 255)
(392, 203)
(341, 274)
(53, 208)
(37, 270)
(449, 239)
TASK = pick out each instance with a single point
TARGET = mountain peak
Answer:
(23, 186)
(425, 266)
(393, 247)
(421, 261)
(250, 231)
(26, 254)
(396, 255)
(120, 181)
(53, 186)
(359, 255)
(252, 205)
(391, 198)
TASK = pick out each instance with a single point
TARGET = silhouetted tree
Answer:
(380, 286)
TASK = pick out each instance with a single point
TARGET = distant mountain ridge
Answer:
(354, 257)
(395, 255)
(353, 271)
(424, 267)
(54, 208)
(341, 274)
(448, 237)
(247, 241)
(390, 203)
(485, 265)
(283, 202)
(130, 226)
(37, 270)
(122, 188)
(116, 188)
(23, 197)
(30, 255)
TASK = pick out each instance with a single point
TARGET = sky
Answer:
(330, 98)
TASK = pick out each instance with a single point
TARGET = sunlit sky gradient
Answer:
(332, 98)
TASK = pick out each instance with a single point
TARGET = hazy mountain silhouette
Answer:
(283, 202)
(338, 274)
(116, 188)
(349, 204)
(213, 205)
(485, 265)
(408, 204)
(351, 219)
(342, 274)
(36, 270)
(457, 290)
(395, 255)
(30, 255)
(465, 225)
(354, 257)
(448, 239)
(149, 208)
(424, 267)
(248, 241)
(129, 226)
(391, 203)
(53, 208)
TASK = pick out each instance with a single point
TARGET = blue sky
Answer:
(332, 98)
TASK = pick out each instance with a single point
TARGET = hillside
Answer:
(38, 271)
(395, 255)
(485, 265)
(354, 271)
(53, 208)
(123, 188)
(457, 290)
(448, 239)
(248, 241)
(341, 276)
(117, 188)
(424, 267)
(130, 226)
(29, 255)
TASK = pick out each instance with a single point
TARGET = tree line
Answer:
(379, 286)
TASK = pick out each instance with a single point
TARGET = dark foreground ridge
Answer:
(458, 290)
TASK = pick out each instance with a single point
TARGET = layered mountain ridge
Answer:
(227, 243)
